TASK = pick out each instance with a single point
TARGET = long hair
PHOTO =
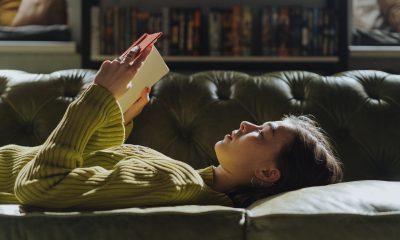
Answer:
(309, 160)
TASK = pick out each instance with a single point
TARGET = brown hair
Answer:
(309, 160)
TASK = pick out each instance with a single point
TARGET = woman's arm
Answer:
(63, 150)
(109, 74)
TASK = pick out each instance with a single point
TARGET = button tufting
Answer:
(298, 92)
(373, 89)
(69, 94)
(185, 134)
(28, 128)
(222, 96)
(342, 133)
(223, 91)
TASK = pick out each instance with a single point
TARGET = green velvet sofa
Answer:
(187, 114)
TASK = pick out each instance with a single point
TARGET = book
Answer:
(152, 70)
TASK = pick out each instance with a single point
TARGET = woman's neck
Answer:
(223, 180)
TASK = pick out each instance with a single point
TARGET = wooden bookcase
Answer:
(251, 63)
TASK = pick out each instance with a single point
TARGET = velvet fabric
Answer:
(187, 114)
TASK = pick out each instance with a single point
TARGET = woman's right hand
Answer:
(115, 76)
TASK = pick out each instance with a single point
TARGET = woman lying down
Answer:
(84, 163)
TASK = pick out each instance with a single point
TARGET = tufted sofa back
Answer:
(188, 114)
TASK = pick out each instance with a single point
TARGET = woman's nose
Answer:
(247, 126)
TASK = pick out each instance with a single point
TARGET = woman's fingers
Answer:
(131, 55)
(138, 62)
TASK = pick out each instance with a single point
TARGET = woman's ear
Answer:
(270, 175)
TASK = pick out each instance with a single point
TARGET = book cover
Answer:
(152, 70)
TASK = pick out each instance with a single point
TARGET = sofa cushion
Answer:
(366, 209)
(180, 222)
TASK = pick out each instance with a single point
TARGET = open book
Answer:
(152, 70)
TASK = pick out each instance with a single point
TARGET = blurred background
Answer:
(324, 36)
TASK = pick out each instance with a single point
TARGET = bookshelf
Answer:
(255, 59)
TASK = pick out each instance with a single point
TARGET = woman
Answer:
(84, 163)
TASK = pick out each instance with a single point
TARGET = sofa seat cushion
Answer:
(175, 222)
(368, 209)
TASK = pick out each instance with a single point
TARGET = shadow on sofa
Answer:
(360, 110)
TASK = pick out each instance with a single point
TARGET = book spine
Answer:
(121, 30)
(226, 32)
(128, 27)
(247, 31)
(305, 33)
(109, 40)
(182, 32)
(95, 34)
(274, 31)
(236, 30)
(283, 31)
(311, 25)
(190, 32)
(134, 30)
(115, 30)
(174, 45)
(166, 30)
(215, 32)
(295, 30)
(197, 32)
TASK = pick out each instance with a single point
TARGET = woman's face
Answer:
(253, 147)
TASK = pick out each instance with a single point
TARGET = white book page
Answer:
(152, 70)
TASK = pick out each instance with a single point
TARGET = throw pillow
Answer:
(8, 10)
(41, 12)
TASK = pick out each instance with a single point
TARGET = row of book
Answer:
(299, 31)
(235, 31)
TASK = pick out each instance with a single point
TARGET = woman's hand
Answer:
(137, 107)
(116, 75)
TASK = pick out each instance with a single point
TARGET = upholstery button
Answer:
(342, 133)
(298, 91)
(185, 134)
(223, 91)
(69, 94)
(373, 89)
(374, 96)
(222, 96)
(28, 129)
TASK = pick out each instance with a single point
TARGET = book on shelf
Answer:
(283, 30)
(297, 31)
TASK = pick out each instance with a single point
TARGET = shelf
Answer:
(41, 47)
(253, 59)
(91, 57)
(374, 51)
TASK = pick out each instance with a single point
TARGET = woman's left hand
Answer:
(136, 108)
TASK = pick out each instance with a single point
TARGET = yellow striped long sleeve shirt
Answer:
(84, 164)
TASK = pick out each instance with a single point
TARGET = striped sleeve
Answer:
(55, 178)
(63, 149)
